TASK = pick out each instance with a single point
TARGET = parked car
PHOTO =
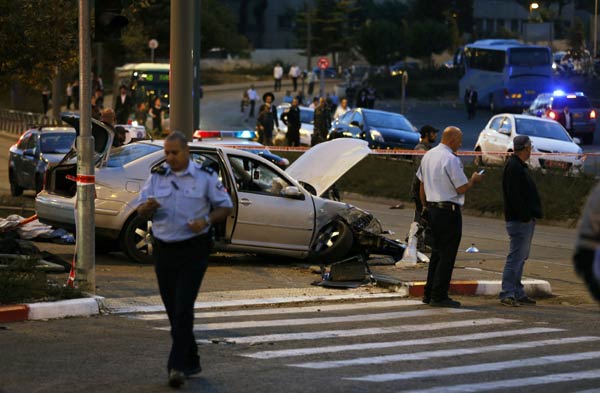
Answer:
(307, 117)
(547, 136)
(382, 130)
(274, 213)
(36, 150)
(584, 115)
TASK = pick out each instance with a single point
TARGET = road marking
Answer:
(479, 368)
(402, 357)
(396, 344)
(513, 383)
(361, 332)
(325, 320)
(288, 310)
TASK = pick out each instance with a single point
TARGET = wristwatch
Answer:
(207, 220)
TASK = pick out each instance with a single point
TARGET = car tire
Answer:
(478, 160)
(15, 190)
(333, 242)
(136, 241)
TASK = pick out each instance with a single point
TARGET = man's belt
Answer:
(445, 205)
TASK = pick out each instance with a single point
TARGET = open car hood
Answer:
(322, 165)
(103, 138)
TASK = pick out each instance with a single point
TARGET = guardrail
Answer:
(16, 122)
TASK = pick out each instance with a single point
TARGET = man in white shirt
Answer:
(341, 109)
(277, 75)
(443, 185)
(294, 73)
(252, 97)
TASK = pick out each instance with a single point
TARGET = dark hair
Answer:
(177, 136)
(427, 129)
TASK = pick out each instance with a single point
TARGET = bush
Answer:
(422, 84)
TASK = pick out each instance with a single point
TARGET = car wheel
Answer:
(333, 242)
(15, 190)
(478, 160)
(136, 241)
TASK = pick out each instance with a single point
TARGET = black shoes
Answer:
(176, 378)
(510, 301)
(526, 300)
(426, 300)
(445, 303)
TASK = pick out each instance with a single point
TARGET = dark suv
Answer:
(584, 116)
(34, 152)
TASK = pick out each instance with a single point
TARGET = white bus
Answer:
(507, 74)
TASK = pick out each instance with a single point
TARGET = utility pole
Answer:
(181, 75)
(308, 40)
(86, 269)
(196, 86)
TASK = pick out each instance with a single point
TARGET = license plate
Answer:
(556, 164)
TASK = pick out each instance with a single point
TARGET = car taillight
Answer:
(593, 114)
(552, 115)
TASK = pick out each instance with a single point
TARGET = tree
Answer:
(428, 37)
(576, 35)
(382, 42)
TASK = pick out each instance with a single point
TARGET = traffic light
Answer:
(108, 20)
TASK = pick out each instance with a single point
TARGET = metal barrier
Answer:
(16, 122)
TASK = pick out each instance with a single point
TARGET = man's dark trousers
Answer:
(180, 267)
(446, 230)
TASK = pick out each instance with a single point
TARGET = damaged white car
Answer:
(275, 212)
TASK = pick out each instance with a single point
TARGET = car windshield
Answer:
(572, 102)
(542, 129)
(306, 116)
(57, 143)
(387, 120)
(125, 154)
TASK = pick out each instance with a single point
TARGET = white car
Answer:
(547, 137)
(307, 116)
(274, 213)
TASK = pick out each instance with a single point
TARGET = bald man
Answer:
(442, 192)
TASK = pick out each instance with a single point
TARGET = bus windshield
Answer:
(531, 57)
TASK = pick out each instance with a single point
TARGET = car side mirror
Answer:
(292, 192)
(504, 131)
(29, 152)
(577, 141)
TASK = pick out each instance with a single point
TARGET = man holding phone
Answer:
(521, 207)
(183, 199)
(443, 185)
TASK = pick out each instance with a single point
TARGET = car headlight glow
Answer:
(376, 136)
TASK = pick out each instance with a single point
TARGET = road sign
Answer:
(153, 44)
(323, 63)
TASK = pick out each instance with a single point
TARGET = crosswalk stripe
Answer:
(362, 332)
(513, 383)
(479, 368)
(288, 310)
(441, 353)
(326, 320)
(395, 344)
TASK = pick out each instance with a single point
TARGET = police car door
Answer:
(265, 218)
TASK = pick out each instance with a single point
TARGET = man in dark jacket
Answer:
(123, 105)
(322, 122)
(521, 207)
(291, 118)
(566, 119)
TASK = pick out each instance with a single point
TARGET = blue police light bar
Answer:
(558, 93)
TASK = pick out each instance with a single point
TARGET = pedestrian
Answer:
(428, 138)
(521, 208)
(315, 103)
(322, 122)
(371, 96)
(294, 73)
(107, 116)
(587, 246)
(120, 136)
(141, 114)
(99, 94)
(45, 100)
(311, 78)
(69, 95)
(471, 102)
(252, 97)
(341, 109)
(291, 118)
(566, 119)
(277, 75)
(443, 185)
(75, 89)
(288, 97)
(156, 115)
(269, 98)
(361, 98)
(264, 124)
(245, 101)
(183, 199)
(123, 105)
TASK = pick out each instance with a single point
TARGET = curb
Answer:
(534, 288)
(51, 310)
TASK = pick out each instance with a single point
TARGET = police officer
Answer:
(184, 199)
(291, 118)
(443, 185)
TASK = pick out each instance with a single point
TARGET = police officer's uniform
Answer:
(441, 173)
(181, 255)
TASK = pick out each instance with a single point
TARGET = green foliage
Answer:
(422, 84)
(576, 35)
(382, 51)
(428, 37)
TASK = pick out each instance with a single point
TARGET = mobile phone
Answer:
(481, 172)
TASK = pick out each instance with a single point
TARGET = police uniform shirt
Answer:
(184, 196)
(442, 172)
